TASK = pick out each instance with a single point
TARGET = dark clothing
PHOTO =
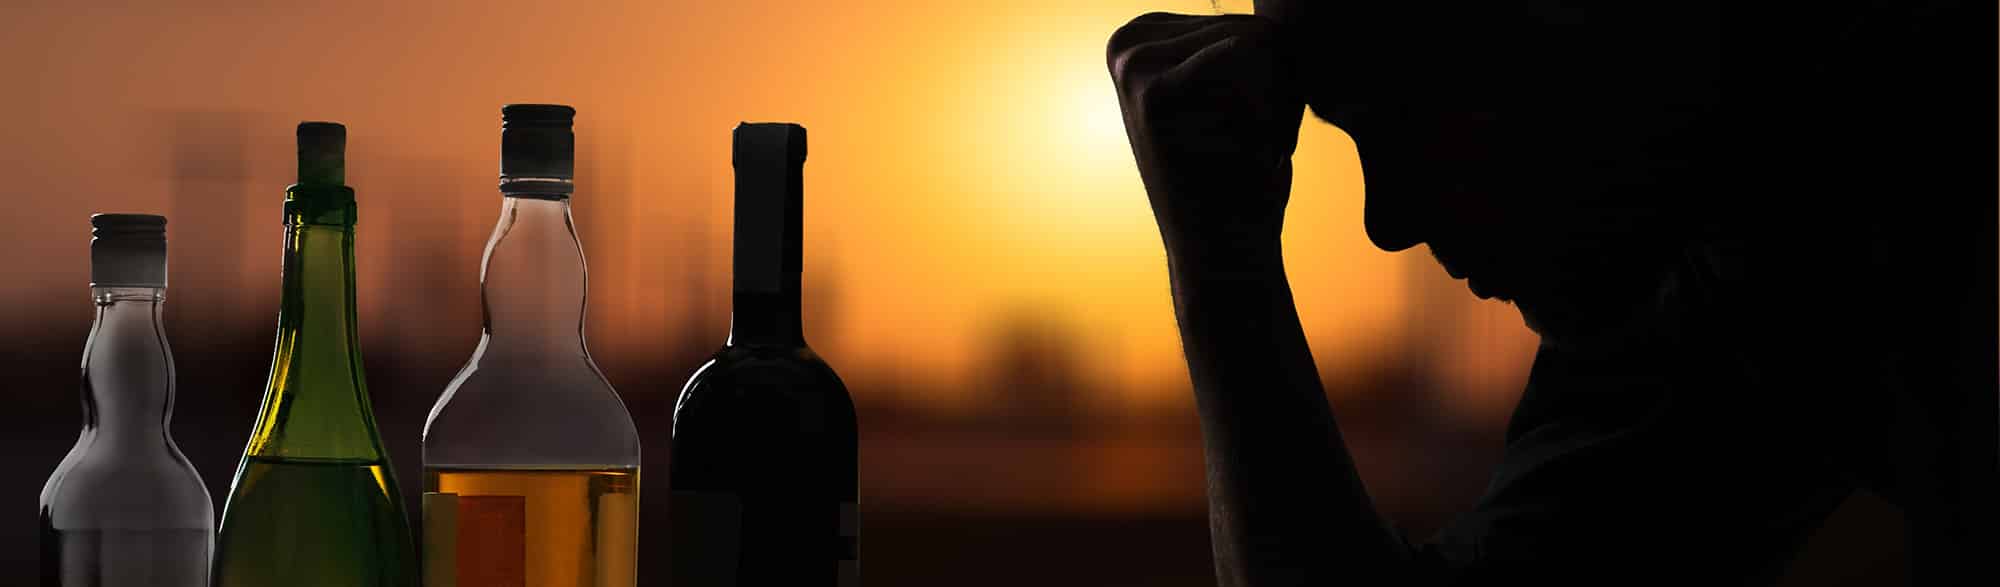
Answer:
(1660, 460)
(1710, 452)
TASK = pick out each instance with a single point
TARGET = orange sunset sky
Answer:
(967, 164)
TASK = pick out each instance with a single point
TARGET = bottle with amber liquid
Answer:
(531, 463)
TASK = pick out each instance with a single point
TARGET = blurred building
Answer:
(209, 210)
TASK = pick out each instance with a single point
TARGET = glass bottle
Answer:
(125, 507)
(315, 500)
(531, 462)
(764, 453)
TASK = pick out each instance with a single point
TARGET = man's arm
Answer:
(1213, 113)
(1286, 506)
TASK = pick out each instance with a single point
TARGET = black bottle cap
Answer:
(322, 153)
(128, 250)
(783, 142)
(769, 159)
(524, 115)
(537, 149)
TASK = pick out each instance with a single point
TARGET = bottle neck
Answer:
(768, 159)
(533, 280)
(316, 404)
(767, 318)
(128, 370)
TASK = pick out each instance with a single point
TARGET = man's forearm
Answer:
(1286, 506)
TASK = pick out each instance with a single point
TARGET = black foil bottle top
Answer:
(128, 250)
(769, 158)
(321, 197)
(537, 150)
(322, 153)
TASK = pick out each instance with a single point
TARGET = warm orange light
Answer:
(968, 167)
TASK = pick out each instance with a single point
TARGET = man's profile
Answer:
(1758, 251)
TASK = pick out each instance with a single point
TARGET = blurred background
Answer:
(982, 267)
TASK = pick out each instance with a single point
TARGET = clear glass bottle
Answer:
(315, 501)
(125, 507)
(765, 452)
(531, 462)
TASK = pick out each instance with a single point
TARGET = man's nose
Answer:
(1391, 211)
(1388, 235)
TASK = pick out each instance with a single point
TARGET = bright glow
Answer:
(1097, 124)
(969, 167)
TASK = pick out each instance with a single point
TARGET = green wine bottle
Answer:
(315, 500)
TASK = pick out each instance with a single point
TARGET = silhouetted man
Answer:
(1759, 252)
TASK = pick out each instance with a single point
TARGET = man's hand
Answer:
(1212, 109)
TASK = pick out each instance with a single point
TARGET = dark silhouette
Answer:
(1758, 248)
(765, 446)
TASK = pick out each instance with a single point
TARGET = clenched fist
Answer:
(1212, 108)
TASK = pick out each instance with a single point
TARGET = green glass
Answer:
(315, 500)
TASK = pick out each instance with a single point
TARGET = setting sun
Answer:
(962, 179)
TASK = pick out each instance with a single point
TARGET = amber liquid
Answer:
(531, 527)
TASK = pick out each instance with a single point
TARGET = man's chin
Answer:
(1589, 327)
(1541, 319)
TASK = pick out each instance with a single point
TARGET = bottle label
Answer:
(617, 523)
(475, 540)
(849, 566)
(706, 529)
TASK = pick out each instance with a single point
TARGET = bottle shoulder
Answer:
(503, 375)
(49, 486)
(563, 386)
(766, 365)
(512, 411)
(127, 493)
(765, 378)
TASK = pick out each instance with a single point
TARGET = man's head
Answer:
(1541, 153)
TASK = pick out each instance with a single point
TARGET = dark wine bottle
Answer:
(125, 507)
(764, 452)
